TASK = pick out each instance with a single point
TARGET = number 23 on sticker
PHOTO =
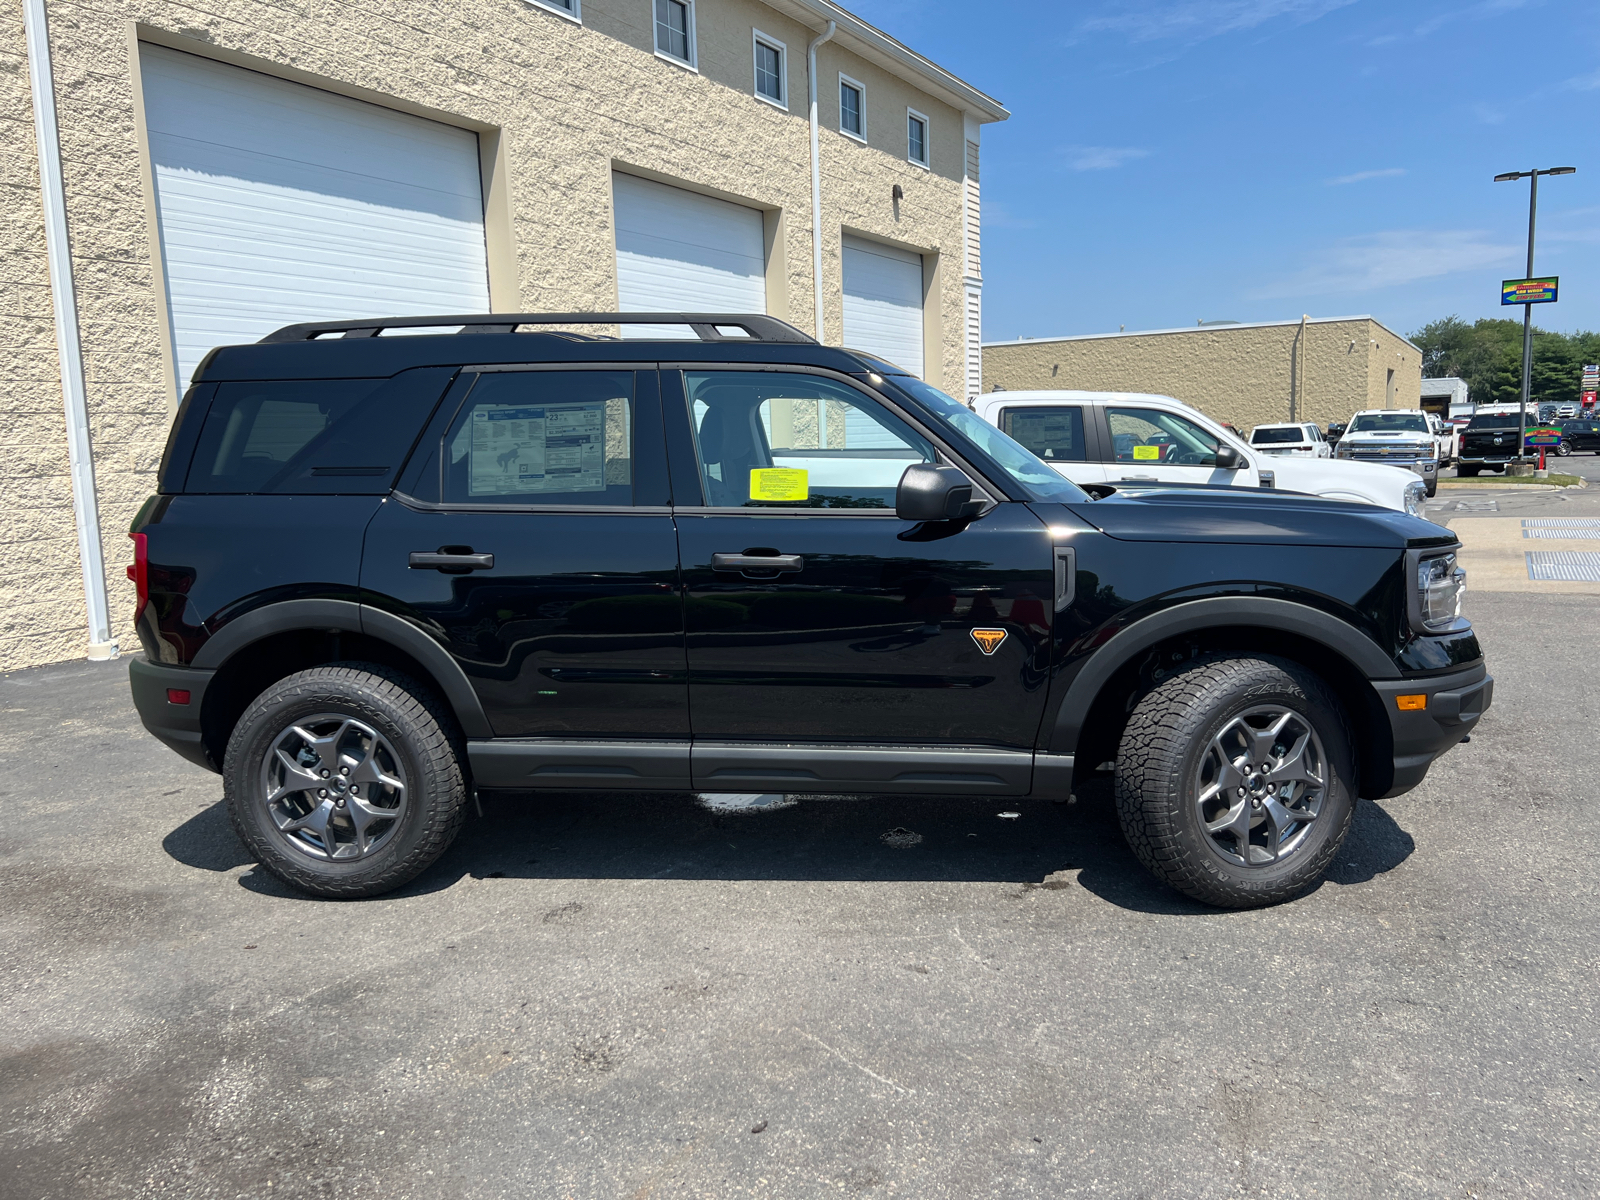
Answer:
(779, 483)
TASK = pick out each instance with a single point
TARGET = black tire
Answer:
(423, 749)
(1467, 472)
(1167, 738)
(1433, 486)
(1562, 450)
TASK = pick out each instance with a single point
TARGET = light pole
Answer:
(1527, 309)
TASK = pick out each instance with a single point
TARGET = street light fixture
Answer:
(1527, 309)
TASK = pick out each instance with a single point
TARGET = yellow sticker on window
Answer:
(1147, 454)
(779, 483)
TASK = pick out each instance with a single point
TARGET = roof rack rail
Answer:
(708, 327)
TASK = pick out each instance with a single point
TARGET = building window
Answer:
(916, 137)
(852, 108)
(675, 30)
(772, 82)
(565, 8)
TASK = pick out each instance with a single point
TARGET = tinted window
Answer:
(1276, 437)
(543, 437)
(1495, 421)
(1053, 433)
(769, 440)
(1148, 435)
(311, 437)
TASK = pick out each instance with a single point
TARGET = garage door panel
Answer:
(679, 251)
(280, 203)
(883, 302)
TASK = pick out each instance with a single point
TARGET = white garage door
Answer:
(281, 203)
(883, 302)
(679, 251)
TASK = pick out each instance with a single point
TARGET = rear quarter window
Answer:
(312, 437)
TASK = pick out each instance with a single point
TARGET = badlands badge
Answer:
(988, 639)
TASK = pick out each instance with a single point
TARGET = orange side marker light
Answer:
(1411, 703)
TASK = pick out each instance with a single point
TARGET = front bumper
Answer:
(1423, 468)
(1455, 702)
(178, 725)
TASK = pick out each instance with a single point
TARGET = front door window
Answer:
(766, 440)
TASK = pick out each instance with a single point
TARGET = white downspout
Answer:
(816, 174)
(58, 252)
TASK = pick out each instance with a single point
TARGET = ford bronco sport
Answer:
(381, 572)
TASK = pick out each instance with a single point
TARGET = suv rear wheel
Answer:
(1235, 780)
(344, 781)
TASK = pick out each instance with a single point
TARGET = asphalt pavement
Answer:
(642, 997)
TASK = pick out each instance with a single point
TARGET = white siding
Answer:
(883, 302)
(280, 203)
(679, 251)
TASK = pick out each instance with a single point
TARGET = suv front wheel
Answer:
(1235, 780)
(344, 781)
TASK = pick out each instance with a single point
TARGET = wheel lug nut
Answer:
(323, 792)
(344, 770)
(324, 774)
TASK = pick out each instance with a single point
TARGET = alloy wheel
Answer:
(334, 787)
(1259, 786)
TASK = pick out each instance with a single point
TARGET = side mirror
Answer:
(1229, 459)
(928, 493)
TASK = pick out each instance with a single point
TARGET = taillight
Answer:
(139, 572)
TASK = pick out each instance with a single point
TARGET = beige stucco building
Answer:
(693, 112)
(1321, 369)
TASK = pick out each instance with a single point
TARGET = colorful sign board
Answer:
(1589, 399)
(1529, 291)
(1543, 435)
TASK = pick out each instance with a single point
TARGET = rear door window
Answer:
(1053, 432)
(312, 437)
(536, 438)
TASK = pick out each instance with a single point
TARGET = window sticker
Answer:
(520, 449)
(1147, 454)
(780, 483)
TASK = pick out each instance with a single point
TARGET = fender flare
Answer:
(288, 615)
(1286, 616)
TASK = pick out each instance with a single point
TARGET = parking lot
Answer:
(630, 996)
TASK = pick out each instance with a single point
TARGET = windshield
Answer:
(1388, 423)
(1277, 436)
(1035, 477)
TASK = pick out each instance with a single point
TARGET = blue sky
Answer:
(1169, 161)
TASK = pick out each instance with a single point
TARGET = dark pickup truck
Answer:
(381, 572)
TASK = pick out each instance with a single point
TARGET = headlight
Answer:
(1440, 586)
(1416, 498)
(1342, 450)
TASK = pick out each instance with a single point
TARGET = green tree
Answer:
(1488, 355)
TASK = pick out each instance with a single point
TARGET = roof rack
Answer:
(708, 327)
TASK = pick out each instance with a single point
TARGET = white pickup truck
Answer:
(1107, 437)
(1404, 437)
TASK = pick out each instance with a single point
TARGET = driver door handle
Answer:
(757, 562)
(441, 561)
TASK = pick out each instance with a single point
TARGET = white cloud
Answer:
(1390, 259)
(1195, 20)
(1102, 158)
(1363, 176)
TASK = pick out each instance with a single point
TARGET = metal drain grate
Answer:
(1571, 534)
(1561, 522)
(1563, 565)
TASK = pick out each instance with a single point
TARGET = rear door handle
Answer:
(757, 562)
(426, 560)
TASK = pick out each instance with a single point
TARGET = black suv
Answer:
(384, 571)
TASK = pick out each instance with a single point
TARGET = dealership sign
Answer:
(1529, 291)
